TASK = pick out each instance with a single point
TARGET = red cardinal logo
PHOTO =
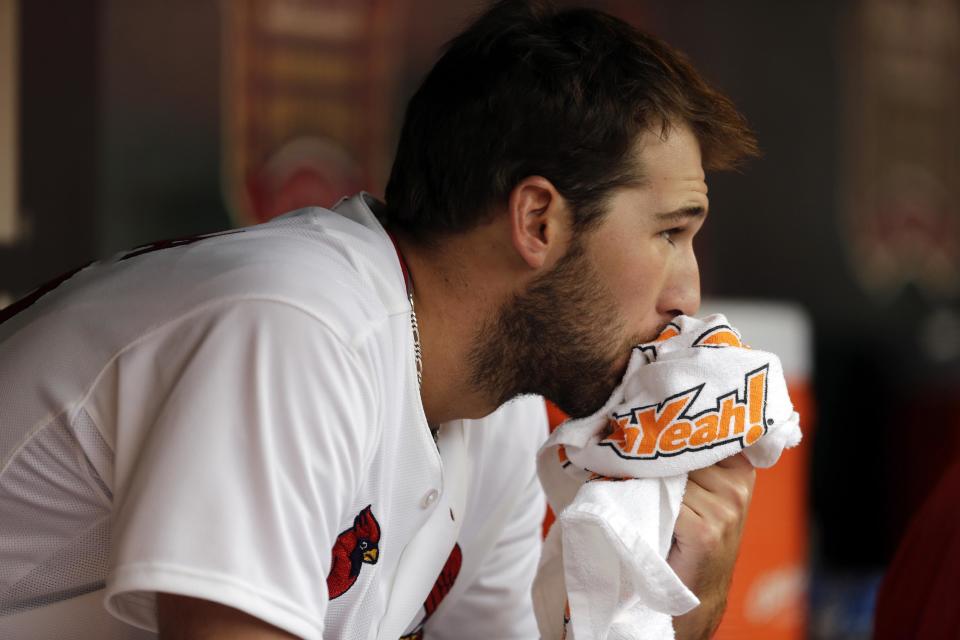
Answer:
(357, 545)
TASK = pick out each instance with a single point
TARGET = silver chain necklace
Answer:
(414, 327)
(418, 355)
(417, 349)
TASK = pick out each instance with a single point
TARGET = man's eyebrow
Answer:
(681, 214)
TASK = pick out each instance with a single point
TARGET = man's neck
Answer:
(453, 296)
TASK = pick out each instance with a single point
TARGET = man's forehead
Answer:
(671, 166)
(675, 151)
(695, 182)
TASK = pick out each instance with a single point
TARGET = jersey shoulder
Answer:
(338, 265)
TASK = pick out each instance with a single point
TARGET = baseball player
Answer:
(325, 426)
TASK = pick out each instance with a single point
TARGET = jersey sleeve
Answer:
(497, 601)
(256, 426)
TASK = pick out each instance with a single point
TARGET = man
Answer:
(229, 436)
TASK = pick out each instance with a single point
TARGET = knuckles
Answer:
(729, 499)
(741, 495)
(711, 534)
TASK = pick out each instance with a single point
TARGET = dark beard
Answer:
(558, 339)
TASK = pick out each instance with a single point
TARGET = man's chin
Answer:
(587, 403)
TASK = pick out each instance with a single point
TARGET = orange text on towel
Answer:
(669, 428)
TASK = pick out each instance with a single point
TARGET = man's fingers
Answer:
(733, 483)
(707, 533)
(719, 513)
(738, 461)
(695, 499)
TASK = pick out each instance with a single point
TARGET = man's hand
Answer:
(707, 539)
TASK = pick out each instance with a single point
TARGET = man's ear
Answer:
(539, 221)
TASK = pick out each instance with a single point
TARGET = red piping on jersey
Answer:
(408, 281)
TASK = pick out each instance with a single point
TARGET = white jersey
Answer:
(237, 418)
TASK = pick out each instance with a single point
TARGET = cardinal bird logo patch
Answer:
(355, 547)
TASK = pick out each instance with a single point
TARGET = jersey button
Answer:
(430, 497)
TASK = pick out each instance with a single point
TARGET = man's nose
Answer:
(681, 291)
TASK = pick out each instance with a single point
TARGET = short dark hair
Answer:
(530, 90)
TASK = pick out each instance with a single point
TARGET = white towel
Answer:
(692, 397)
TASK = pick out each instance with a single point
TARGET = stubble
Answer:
(561, 338)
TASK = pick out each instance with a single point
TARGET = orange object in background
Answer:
(768, 595)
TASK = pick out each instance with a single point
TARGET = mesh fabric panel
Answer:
(55, 527)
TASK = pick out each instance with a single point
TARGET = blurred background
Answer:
(127, 121)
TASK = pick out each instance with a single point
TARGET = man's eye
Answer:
(669, 234)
